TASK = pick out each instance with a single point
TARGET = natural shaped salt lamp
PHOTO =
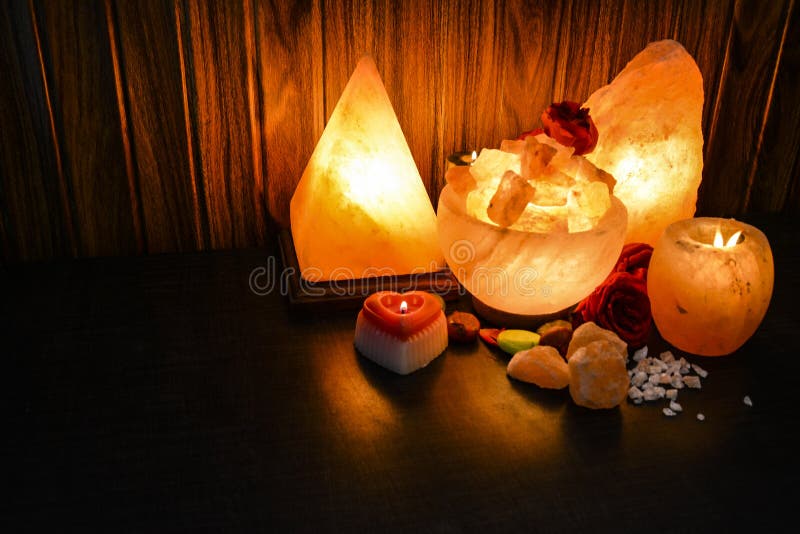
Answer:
(649, 121)
(360, 208)
(710, 282)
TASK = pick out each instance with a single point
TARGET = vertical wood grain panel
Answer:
(780, 148)
(220, 71)
(587, 46)
(34, 213)
(150, 59)
(289, 38)
(81, 76)
(401, 37)
(752, 50)
(473, 64)
(530, 38)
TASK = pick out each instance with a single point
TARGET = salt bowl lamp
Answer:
(360, 208)
(710, 282)
(649, 120)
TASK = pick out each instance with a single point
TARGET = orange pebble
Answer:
(540, 365)
(597, 374)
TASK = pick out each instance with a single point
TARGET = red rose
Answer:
(620, 304)
(570, 125)
(634, 259)
(523, 135)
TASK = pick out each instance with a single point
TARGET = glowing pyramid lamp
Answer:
(361, 219)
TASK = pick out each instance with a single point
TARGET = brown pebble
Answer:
(462, 327)
(556, 334)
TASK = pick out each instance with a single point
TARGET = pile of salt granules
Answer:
(653, 379)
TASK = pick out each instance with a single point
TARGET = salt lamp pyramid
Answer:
(649, 119)
(360, 208)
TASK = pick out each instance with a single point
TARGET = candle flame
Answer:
(474, 156)
(732, 240)
(403, 307)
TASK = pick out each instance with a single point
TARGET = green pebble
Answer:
(513, 341)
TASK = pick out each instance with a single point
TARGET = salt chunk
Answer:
(638, 401)
(748, 401)
(650, 394)
(638, 379)
(661, 392)
(668, 412)
(677, 382)
(672, 394)
(654, 369)
(640, 354)
(635, 393)
(692, 381)
(701, 417)
(699, 370)
(654, 379)
(510, 199)
(675, 407)
(664, 378)
(667, 357)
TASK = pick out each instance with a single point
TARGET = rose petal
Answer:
(489, 335)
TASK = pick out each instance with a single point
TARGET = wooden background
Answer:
(152, 126)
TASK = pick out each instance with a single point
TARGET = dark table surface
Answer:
(161, 393)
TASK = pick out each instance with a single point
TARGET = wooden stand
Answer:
(350, 294)
(506, 319)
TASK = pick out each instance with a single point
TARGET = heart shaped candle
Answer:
(401, 332)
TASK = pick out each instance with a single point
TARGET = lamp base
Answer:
(350, 294)
(506, 319)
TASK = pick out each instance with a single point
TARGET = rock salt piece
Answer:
(699, 370)
(660, 392)
(460, 179)
(586, 203)
(677, 382)
(639, 378)
(535, 158)
(649, 394)
(590, 332)
(638, 401)
(672, 394)
(492, 163)
(692, 382)
(514, 146)
(668, 412)
(654, 379)
(701, 417)
(635, 393)
(748, 401)
(541, 365)
(675, 407)
(667, 357)
(640, 354)
(664, 378)
(359, 169)
(510, 199)
(598, 378)
(649, 121)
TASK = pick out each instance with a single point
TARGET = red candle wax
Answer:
(382, 309)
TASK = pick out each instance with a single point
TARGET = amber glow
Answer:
(361, 204)
(707, 295)
(403, 307)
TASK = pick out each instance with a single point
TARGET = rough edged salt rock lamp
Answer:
(710, 282)
(360, 207)
(649, 121)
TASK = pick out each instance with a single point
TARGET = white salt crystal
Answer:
(635, 393)
(677, 382)
(667, 357)
(675, 407)
(664, 379)
(639, 378)
(650, 394)
(692, 381)
(701, 417)
(661, 392)
(747, 400)
(640, 354)
(699, 370)
(672, 394)
(668, 412)
(654, 379)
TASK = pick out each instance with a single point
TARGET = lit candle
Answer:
(401, 332)
(461, 158)
(710, 282)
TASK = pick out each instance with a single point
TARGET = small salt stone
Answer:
(667, 357)
(630, 373)
(748, 401)
(654, 379)
(675, 407)
(640, 354)
(701, 417)
(638, 379)
(661, 392)
(650, 394)
(634, 393)
(672, 394)
(699, 370)
(668, 412)
(664, 379)
(638, 401)
(677, 382)
(692, 381)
